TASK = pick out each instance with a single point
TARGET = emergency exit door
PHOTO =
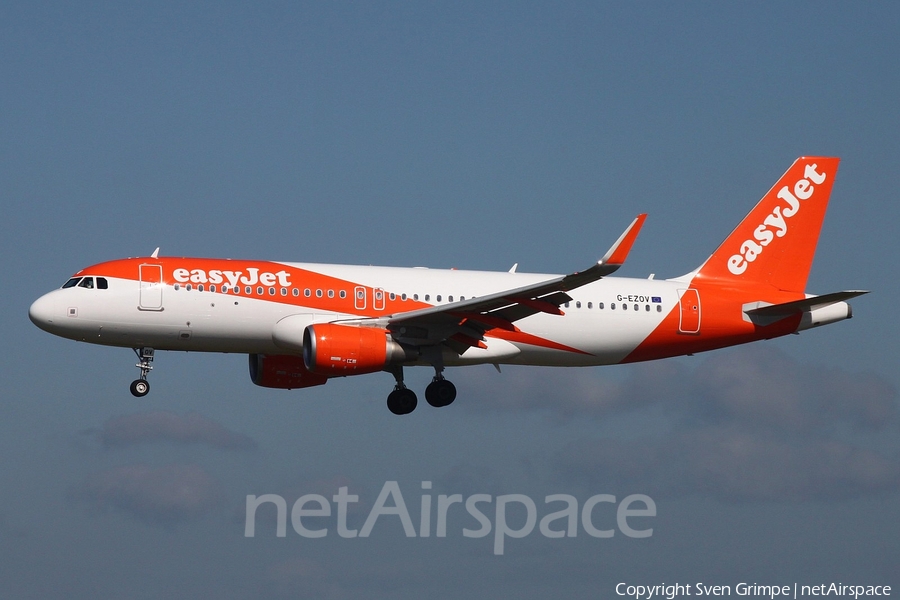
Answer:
(689, 306)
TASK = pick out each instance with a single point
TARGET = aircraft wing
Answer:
(462, 324)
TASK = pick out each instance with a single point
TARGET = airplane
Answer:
(302, 324)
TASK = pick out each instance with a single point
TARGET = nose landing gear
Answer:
(141, 387)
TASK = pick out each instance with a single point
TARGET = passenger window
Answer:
(427, 297)
(224, 289)
(259, 290)
(87, 282)
(578, 304)
(624, 306)
(438, 298)
(271, 291)
(659, 308)
(318, 293)
(177, 286)
(612, 306)
(189, 287)
(200, 288)
(284, 291)
(331, 293)
(71, 283)
(403, 297)
(295, 292)
(307, 292)
(102, 284)
(566, 305)
(636, 307)
(648, 308)
(212, 288)
(248, 290)
(343, 294)
(449, 298)
(590, 305)
(600, 305)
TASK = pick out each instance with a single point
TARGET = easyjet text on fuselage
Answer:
(232, 278)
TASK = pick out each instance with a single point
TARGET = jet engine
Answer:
(282, 371)
(338, 350)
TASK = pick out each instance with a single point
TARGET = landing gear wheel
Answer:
(140, 387)
(402, 401)
(440, 392)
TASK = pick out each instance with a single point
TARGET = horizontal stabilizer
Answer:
(807, 304)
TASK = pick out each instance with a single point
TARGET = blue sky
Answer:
(465, 135)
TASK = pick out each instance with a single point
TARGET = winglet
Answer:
(616, 255)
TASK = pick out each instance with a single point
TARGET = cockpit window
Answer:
(101, 283)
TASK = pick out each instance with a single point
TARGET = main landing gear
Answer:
(440, 392)
(402, 401)
(140, 387)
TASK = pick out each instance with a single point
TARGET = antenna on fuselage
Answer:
(155, 253)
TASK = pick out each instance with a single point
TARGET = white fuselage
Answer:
(605, 321)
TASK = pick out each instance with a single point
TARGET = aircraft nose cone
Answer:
(42, 312)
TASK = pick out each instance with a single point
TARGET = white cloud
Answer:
(747, 424)
(735, 465)
(165, 495)
(763, 387)
(754, 385)
(573, 392)
(191, 428)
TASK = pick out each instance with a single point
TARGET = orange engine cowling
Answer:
(338, 350)
(282, 371)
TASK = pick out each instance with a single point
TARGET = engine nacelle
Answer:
(282, 371)
(338, 350)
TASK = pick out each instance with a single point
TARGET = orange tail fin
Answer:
(774, 245)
